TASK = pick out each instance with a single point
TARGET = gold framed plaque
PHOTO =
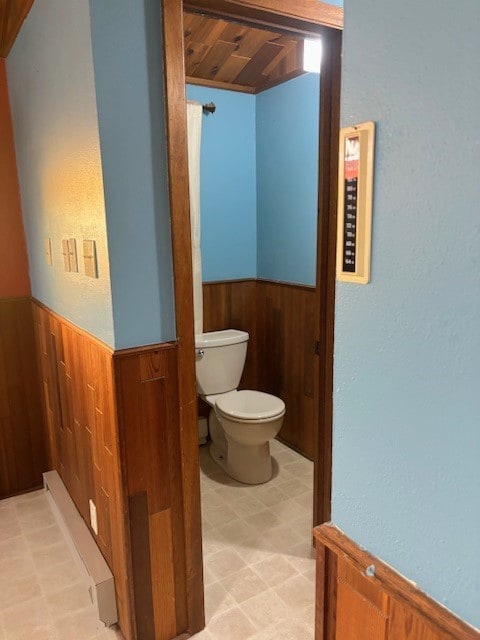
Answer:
(355, 201)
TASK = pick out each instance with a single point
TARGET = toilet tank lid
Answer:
(220, 338)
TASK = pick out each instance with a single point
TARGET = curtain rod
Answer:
(209, 108)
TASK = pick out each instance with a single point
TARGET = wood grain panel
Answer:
(406, 625)
(163, 577)
(253, 72)
(182, 267)
(299, 16)
(231, 68)
(77, 379)
(326, 258)
(113, 424)
(281, 352)
(141, 563)
(14, 277)
(211, 64)
(12, 15)
(232, 305)
(149, 429)
(361, 600)
(353, 604)
(286, 358)
(22, 432)
(233, 56)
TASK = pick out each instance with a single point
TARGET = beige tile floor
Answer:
(259, 564)
(43, 594)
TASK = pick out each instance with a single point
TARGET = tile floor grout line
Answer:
(44, 614)
(282, 516)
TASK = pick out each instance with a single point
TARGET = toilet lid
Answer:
(250, 405)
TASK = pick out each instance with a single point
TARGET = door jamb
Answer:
(268, 13)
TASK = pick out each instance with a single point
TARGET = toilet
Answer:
(241, 423)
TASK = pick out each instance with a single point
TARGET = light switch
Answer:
(72, 254)
(47, 249)
(66, 256)
(90, 258)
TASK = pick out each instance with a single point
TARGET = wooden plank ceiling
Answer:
(12, 15)
(229, 55)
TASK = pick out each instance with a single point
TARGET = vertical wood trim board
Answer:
(354, 605)
(23, 456)
(326, 262)
(150, 442)
(177, 159)
(141, 562)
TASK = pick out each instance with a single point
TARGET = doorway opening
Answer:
(289, 27)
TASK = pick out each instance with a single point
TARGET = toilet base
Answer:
(249, 464)
(219, 457)
(246, 464)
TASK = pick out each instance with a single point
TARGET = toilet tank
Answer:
(219, 360)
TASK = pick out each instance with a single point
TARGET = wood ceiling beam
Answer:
(301, 16)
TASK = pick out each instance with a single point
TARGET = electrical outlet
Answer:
(93, 516)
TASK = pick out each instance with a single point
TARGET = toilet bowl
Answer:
(250, 419)
(241, 423)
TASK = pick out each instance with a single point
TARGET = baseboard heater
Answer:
(97, 572)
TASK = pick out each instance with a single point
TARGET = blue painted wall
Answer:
(407, 405)
(287, 180)
(228, 185)
(52, 93)
(129, 82)
(259, 177)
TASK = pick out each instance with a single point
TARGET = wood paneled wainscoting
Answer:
(280, 318)
(114, 437)
(361, 598)
(287, 364)
(83, 443)
(232, 305)
(22, 434)
(148, 403)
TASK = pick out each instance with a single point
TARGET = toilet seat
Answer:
(250, 406)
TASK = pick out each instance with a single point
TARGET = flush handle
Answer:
(200, 353)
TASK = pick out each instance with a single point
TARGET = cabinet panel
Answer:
(351, 604)
(405, 624)
(362, 607)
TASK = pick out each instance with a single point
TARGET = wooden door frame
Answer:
(308, 17)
